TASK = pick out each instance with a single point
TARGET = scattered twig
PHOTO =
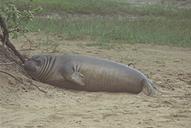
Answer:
(131, 64)
(27, 49)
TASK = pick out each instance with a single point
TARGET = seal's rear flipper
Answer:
(151, 89)
(148, 88)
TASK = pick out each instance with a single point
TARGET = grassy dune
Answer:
(113, 21)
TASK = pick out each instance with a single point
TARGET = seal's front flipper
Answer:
(75, 76)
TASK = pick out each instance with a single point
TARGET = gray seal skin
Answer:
(87, 73)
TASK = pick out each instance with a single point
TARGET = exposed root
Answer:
(10, 63)
(30, 81)
(11, 75)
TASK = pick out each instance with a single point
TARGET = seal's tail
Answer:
(150, 88)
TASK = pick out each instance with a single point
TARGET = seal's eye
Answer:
(37, 60)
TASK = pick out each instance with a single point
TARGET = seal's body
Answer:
(87, 73)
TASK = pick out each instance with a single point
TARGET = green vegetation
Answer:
(15, 19)
(114, 21)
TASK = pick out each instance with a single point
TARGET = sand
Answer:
(22, 105)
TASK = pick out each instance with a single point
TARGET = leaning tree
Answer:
(13, 22)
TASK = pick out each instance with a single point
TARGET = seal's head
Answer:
(33, 65)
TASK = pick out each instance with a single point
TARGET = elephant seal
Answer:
(87, 73)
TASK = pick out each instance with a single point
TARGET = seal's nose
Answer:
(29, 66)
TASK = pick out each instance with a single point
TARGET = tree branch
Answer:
(14, 30)
(7, 42)
(1, 37)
